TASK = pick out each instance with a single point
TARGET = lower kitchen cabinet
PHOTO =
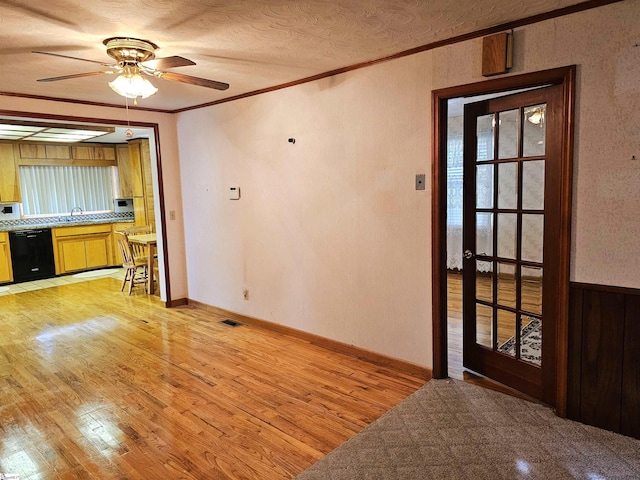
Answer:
(82, 247)
(6, 274)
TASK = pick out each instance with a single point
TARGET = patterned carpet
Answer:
(453, 430)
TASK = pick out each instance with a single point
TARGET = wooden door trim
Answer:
(565, 76)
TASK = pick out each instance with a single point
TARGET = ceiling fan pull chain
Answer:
(128, 133)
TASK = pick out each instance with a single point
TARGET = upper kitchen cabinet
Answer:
(9, 183)
(71, 154)
(124, 172)
(141, 181)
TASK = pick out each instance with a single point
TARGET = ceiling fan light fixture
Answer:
(133, 58)
(131, 84)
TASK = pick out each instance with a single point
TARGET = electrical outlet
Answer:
(245, 294)
(172, 215)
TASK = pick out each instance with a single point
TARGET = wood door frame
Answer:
(565, 76)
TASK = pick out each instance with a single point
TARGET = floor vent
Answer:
(231, 323)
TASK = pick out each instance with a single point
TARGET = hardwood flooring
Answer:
(454, 324)
(97, 384)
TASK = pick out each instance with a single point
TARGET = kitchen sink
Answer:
(72, 220)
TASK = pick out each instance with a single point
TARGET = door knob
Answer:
(468, 254)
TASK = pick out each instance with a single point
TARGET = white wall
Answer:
(330, 236)
(170, 166)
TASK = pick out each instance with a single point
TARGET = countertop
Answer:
(63, 221)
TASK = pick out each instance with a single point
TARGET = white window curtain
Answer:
(48, 190)
(484, 227)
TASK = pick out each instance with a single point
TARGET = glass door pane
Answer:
(531, 340)
(533, 128)
(484, 325)
(485, 126)
(507, 285)
(507, 235)
(531, 289)
(533, 185)
(506, 332)
(508, 134)
(508, 185)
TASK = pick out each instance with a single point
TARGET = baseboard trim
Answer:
(178, 302)
(403, 366)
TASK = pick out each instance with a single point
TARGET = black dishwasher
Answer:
(32, 254)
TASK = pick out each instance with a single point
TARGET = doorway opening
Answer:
(454, 228)
(447, 249)
(143, 132)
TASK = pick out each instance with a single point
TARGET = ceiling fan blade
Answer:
(167, 62)
(76, 75)
(74, 58)
(202, 82)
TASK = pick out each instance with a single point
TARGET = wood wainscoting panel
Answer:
(574, 347)
(631, 369)
(602, 339)
(604, 357)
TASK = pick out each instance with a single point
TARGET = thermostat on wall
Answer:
(234, 193)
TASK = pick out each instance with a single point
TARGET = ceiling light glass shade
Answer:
(536, 118)
(132, 85)
(536, 115)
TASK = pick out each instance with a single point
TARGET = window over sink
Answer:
(53, 189)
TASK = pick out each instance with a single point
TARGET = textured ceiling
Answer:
(251, 45)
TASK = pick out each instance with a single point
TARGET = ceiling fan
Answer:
(134, 57)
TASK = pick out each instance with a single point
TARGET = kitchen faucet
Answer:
(74, 209)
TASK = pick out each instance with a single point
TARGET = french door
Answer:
(512, 233)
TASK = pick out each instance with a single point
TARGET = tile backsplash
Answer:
(12, 223)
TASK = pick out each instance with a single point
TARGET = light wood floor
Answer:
(97, 384)
(454, 324)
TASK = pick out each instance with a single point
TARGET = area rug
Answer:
(454, 430)
(96, 273)
(531, 336)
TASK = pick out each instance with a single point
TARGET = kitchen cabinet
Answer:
(6, 274)
(82, 247)
(98, 153)
(9, 183)
(85, 154)
(125, 189)
(141, 181)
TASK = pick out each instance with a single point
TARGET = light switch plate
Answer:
(420, 179)
(234, 193)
